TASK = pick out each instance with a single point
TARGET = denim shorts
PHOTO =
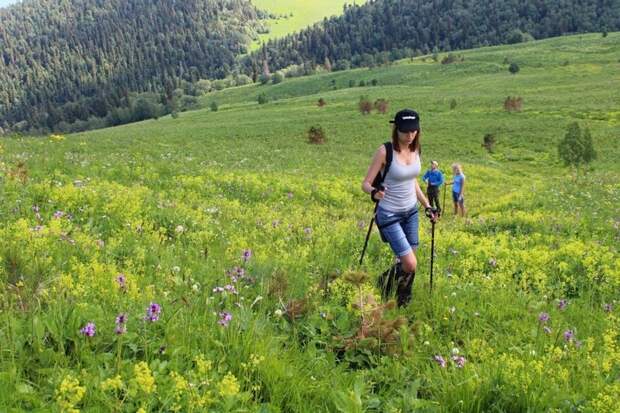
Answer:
(455, 198)
(400, 229)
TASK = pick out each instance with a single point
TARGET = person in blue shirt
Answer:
(458, 189)
(434, 179)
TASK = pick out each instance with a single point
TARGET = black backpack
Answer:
(378, 181)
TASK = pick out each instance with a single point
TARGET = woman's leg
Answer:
(401, 233)
(462, 207)
(409, 262)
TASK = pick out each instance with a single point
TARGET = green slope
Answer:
(173, 203)
(294, 15)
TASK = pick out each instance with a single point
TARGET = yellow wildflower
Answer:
(229, 386)
(144, 378)
(69, 393)
(202, 366)
(113, 383)
(180, 383)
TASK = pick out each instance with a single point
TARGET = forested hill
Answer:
(68, 60)
(406, 27)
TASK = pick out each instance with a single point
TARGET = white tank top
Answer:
(400, 194)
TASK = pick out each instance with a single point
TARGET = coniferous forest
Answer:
(66, 61)
(384, 30)
(68, 65)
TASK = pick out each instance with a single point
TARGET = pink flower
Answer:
(440, 360)
(225, 318)
(88, 330)
(459, 361)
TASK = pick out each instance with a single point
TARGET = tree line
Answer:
(68, 61)
(72, 65)
(384, 30)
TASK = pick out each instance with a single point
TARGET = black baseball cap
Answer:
(407, 120)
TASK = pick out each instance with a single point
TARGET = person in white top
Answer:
(397, 212)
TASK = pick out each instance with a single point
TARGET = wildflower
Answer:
(218, 290)
(113, 383)
(37, 213)
(179, 229)
(152, 312)
(69, 394)
(229, 386)
(308, 231)
(608, 307)
(144, 379)
(59, 214)
(225, 318)
(230, 288)
(569, 335)
(562, 304)
(459, 361)
(88, 330)
(493, 262)
(440, 360)
(176, 268)
(122, 281)
(547, 329)
(289, 195)
(543, 317)
(203, 366)
(247, 254)
(278, 313)
(180, 383)
(121, 321)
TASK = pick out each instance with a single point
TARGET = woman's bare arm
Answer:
(421, 197)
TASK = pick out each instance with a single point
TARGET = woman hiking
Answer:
(458, 189)
(397, 211)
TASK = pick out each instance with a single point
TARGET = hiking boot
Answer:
(404, 287)
(387, 281)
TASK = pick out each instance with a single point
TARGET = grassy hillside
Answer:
(248, 238)
(294, 15)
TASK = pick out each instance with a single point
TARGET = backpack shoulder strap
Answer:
(388, 158)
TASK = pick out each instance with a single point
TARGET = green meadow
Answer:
(295, 15)
(210, 262)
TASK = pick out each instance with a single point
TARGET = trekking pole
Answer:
(372, 221)
(432, 253)
(444, 196)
